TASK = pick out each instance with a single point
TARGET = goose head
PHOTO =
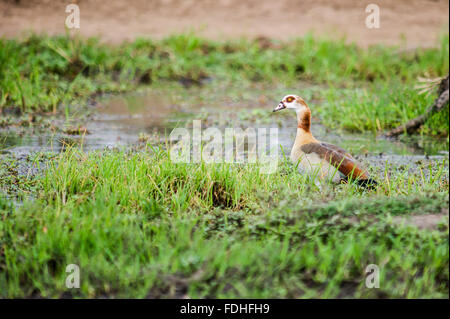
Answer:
(291, 101)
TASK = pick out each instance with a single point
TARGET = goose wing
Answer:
(337, 157)
(338, 149)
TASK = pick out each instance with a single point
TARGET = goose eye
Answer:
(289, 99)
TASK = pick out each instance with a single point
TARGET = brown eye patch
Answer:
(289, 99)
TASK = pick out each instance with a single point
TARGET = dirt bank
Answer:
(417, 21)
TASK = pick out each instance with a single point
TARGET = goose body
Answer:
(324, 160)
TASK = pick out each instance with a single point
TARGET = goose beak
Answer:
(279, 107)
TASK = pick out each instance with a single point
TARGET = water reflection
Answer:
(121, 120)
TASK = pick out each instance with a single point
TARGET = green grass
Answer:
(384, 106)
(361, 89)
(139, 225)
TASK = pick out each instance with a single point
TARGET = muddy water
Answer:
(118, 121)
(129, 119)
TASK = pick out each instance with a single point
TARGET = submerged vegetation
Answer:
(139, 225)
(373, 87)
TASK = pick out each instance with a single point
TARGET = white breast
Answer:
(315, 166)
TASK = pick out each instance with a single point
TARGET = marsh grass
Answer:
(54, 74)
(139, 225)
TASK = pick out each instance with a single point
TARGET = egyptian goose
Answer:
(325, 160)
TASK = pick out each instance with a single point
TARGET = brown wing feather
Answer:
(338, 157)
(338, 149)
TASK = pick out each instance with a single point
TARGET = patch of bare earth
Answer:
(414, 23)
(429, 221)
(420, 221)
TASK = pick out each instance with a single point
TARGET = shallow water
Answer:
(125, 120)
(118, 121)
